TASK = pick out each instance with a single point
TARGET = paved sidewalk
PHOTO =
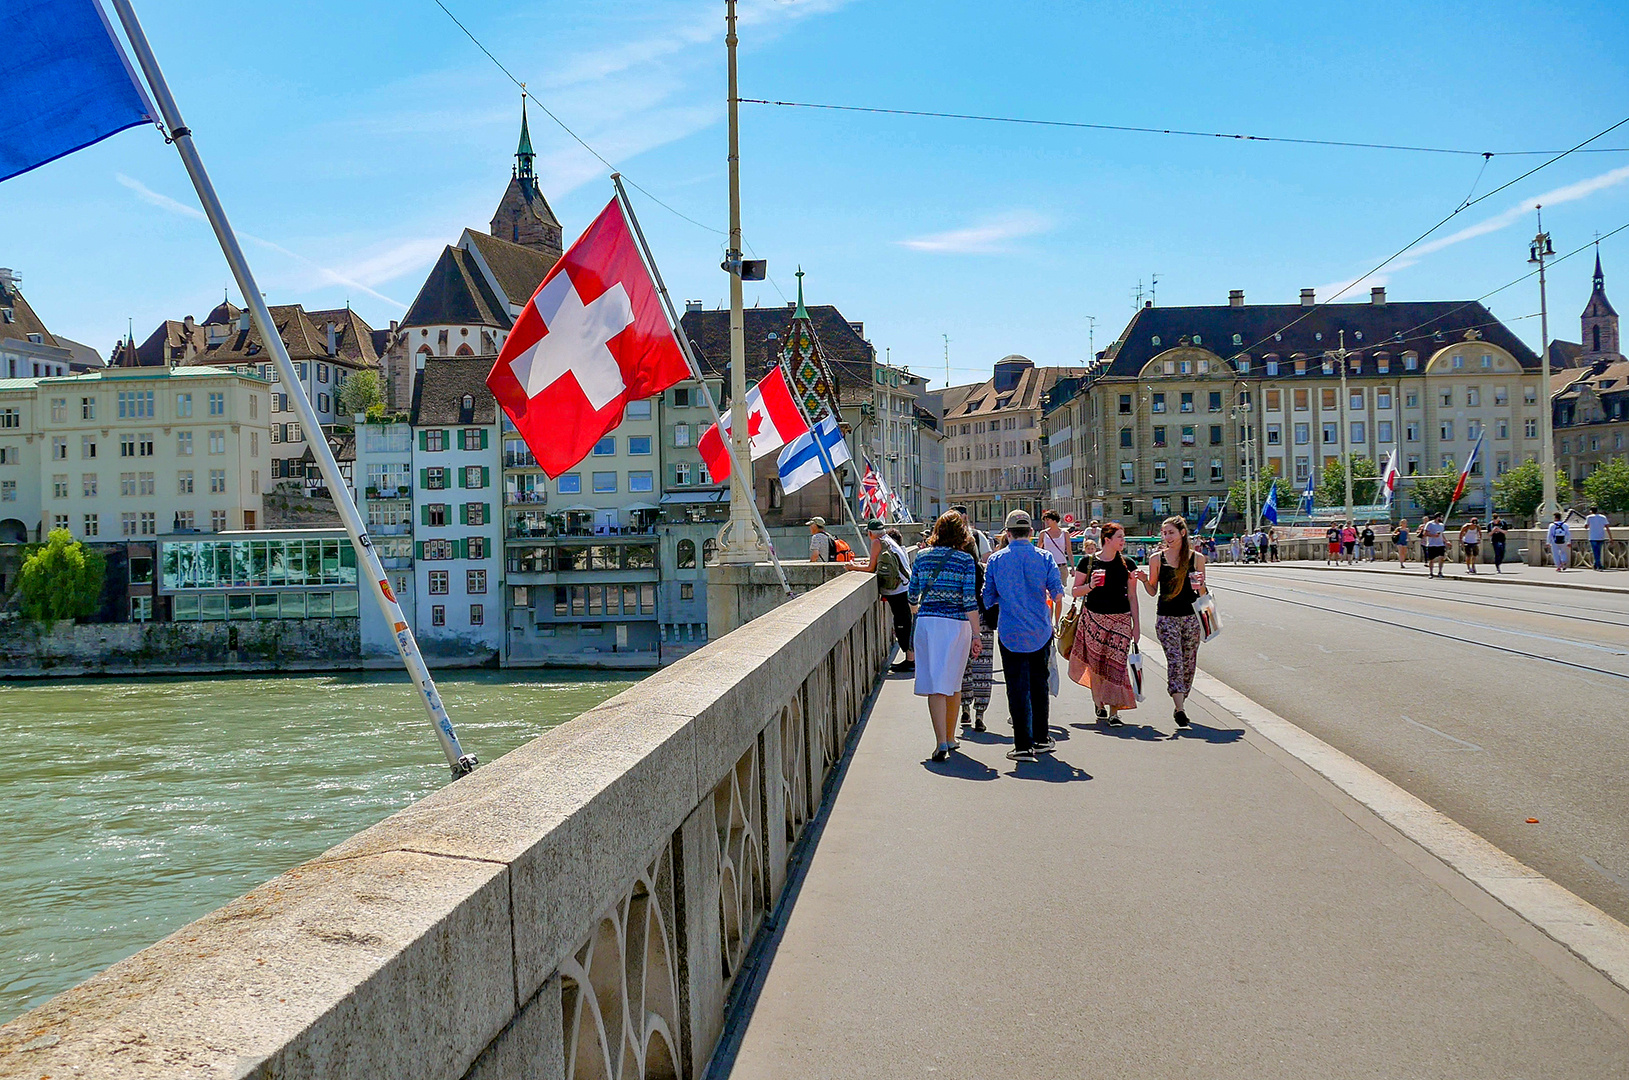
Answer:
(1148, 906)
(1584, 580)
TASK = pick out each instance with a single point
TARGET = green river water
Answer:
(128, 809)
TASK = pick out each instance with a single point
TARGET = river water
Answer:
(128, 809)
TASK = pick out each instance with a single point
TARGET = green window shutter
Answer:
(418, 549)
(461, 439)
(486, 476)
(424, 517)
(460, 473)
(424, 440)
(483, 438)
(463, 513)
(424, 477)
(463, 548)
(486, 513)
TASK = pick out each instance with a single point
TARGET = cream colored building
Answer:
(133, 453)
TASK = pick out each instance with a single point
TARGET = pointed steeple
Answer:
(1600, 278)
(803, 312)
(1599, 321)
(813, 382)
(524, 155)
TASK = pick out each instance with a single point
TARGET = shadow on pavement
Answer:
(1050, 769)
(1219, 736)
(983, 738)
(1134, 732)
(961, 767)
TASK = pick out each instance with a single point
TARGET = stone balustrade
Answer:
(577, 909)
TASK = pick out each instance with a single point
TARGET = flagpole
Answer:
(368, 559)
(831, 468)
(695, 369)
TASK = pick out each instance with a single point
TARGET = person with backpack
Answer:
(824, 547)
(893, 569)
(1560, 540)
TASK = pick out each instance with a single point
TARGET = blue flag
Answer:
(1306, 495)
(1269, 509)
(804, 460)
(66, 80)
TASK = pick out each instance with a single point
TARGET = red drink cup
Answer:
(1098, 577)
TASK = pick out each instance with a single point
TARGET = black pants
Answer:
(1028, 702)
(900, 606)
(1498, 550)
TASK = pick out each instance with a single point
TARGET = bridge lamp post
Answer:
(1539, 250)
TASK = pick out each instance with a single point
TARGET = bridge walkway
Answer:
(1143, 905)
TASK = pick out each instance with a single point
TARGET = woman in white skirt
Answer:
(944, 585)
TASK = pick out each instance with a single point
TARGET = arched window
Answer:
(687, 554)
(1596, 330)
(465, 350)
(709, 551)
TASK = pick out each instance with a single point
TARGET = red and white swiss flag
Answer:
(773, 420)
(592, 338)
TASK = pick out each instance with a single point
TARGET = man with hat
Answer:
(821, 546)
(893, 569)
(1022, 579)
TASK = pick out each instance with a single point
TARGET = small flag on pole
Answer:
(68, 84)
(1388, 481)
(1269, 509)
(802, 461)
(1305, 506)
(773, 420)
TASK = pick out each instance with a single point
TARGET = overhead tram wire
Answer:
(1132, 129)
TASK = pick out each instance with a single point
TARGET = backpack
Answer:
(840, 551)
(890, 571)
(1559, 533)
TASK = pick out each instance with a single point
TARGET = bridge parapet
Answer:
(578, 908)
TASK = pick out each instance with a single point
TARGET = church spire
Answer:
(1600, 278)
(801, 312)
(524, 155)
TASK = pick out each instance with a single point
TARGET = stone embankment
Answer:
(59, 649)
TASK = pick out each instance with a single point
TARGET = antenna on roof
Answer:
(1154, 289)
(947, 361)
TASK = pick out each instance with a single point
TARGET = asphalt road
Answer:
(1493, 702)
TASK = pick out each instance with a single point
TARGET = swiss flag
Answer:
(773, 420)
(592, 338)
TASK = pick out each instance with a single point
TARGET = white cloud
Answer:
(988, 237)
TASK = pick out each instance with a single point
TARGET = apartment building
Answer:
(384, 479)
(458, 536)
(1590, 395)
(1188, 398)
(27, 348)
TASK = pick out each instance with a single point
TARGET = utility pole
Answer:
(1539, 250)
(1346, 456)
(1247, 443)
(741, 543)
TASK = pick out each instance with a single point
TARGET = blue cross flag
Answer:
(67, 81)
(1269, 509)
(1305, 506)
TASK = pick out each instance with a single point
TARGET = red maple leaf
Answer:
(755, 423)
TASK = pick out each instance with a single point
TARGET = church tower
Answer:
(523, 215)
(1599, 321)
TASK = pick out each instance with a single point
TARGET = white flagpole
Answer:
(367, 558)
(695, 369)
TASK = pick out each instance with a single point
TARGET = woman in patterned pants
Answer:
(976, 678)
(1176, 574)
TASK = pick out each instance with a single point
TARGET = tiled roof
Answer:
(1565, 354)
(456, 293)
(343, 447)
(23, 320)
(709, 334)
(440, 389)
(1604, 378)
(304, 334)
(1225, 330)
(518, 270)
(1028, 393)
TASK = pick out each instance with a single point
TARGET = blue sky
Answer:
(350, 141)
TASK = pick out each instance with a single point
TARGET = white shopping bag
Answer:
(1054, 685)
(1134, 670)
(1210, 623)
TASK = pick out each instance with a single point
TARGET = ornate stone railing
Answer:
(577, 909)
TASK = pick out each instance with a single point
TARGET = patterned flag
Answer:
(1459, 488)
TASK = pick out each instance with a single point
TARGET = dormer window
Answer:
(469, 402)
(38, 339)
(8, 315)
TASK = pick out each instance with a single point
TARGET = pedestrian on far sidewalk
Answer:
(1272, 544)
(1470, 543)
(1349, 543)
(1366, 538)
(947, 628)
(1600, 531)
(1236, 549)
(1433, 538)
(1108, 581)
(1176, 575)
(1024, 582)
(893, 569)
(1496, 537)
(1332, 536)
(1399, 541)
(1559, 538)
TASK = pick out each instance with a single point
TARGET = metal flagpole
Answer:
(367, 558)
(831, 469)
(695, 369)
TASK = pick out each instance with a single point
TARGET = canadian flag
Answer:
(592, 338)
(773, 420)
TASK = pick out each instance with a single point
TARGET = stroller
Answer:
(1251, 553)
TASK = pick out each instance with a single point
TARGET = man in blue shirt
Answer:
(1021, 579)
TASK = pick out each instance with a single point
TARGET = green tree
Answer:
(1241, 491)
(1608, 487)
(1434, 493)
(1520, 490)
(1365, 482)
(360, 393)
(61, 579)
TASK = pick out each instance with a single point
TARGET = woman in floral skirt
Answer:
(1109, 624)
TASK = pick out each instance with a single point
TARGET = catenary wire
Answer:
(1234, 136)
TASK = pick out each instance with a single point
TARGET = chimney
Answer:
(333, 345)
(243, 321)
(1235, 298)
(1377, 296)
(692, 305)
(1309, 298)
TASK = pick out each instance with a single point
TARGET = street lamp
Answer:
(1346, 454)
(1539, 250)
(1248, 445)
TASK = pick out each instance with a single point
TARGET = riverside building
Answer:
(1590, 395)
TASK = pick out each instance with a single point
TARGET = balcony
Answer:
(519, 459)
(401, 491)
(525, 498)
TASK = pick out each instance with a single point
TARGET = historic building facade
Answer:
(1590, 397)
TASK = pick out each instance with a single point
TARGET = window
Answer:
(1411, 400)
(639, 410)
(1356, 402)
(1303, 434)
(1215, 402)
(1382, 398)
(8, 491)
(1331, 434)
(1447, 399)
(435, 514)
(87, 485)
(1275, 400)
(475, 547)
(1448, 463)
(569, 483)
(1275, 434)
(183, 405)
(217, 443)
(1125, 406)
(217, 481)
(293, 433)
(11, 418)
(477, 614)
(438, 615)
(606, 446)
(59, 449)
(1159, 472)
(1411, 361)
(1125, 438)
(1187, 471)
(1473, 397)
(474, 476)
(145, 484)
(605, 482)
(1159, 403)
(681, 434)
(322, 372)
(1501, 395)
(254, 444)
(1186, 403)
(1357, 432)
(93, 525)
(639, 445)
(254, 406)
(184, 520)
(59, 410)
(1326, 398)
(1159, 436)
(149, 523)
(1502, 431)
(87, 447)
(217, 520)
(1530, 395)
(687, 555)
(1187, 435)
(475, 582)
(435, 478)
(433, 439)
(681, 474)
(641, 481)
(87, 408)
(438, 550)
(1303, 399)
(1303, 468)
(59, 486)
(1128, 472)
(135, 404)
(1383, 431)
(438, 582)
(1473, 431)
(475, 513)
(1446, 431)
(1216, 434)
(687, 591)
(1566, 446)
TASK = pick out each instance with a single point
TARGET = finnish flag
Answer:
(804, 459)
(68, 83)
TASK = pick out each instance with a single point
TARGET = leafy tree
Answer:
(1608, 487)
(360, 393)
(61, 579)
(1434, 493)
(1242, 490)
(1520, 490)
(1365, 482)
